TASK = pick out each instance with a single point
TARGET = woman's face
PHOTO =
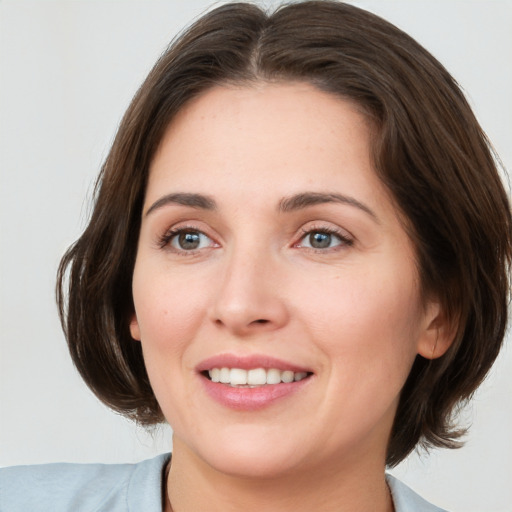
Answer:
(272, 258)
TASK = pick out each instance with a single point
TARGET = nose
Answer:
(249, 297)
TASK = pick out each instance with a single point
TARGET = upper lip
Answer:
(248, 362)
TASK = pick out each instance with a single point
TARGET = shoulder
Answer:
(406, 500)
(83, 487)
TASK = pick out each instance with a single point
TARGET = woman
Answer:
(298, 257)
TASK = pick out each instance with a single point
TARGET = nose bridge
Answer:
(248, 297)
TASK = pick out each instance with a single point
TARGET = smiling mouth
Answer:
(253, 378)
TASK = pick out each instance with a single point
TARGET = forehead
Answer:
(291, 133)
(283, 107)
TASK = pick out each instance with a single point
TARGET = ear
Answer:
(438, 334)
(134, 328)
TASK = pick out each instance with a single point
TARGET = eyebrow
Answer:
(307, 199)
(185, 199)
(287, 204)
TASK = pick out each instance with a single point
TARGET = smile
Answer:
(252, 382)
(256, 377)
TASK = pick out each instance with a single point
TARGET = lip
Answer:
(248, 362)
(249, 399)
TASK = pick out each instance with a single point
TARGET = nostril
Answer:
(263, 321)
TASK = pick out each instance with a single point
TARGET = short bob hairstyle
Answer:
(428, 150)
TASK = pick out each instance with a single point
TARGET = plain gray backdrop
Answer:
(68, 70)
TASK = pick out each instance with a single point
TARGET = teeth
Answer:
(287, 376)
(237, 377)
(255, 377)
(273, 376)
(224, 376)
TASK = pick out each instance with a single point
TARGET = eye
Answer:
(187, 240)
(324, 239)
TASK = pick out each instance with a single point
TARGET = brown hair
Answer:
(429, 150)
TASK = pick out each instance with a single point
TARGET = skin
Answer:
(352, 312)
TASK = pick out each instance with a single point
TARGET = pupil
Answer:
(320, 240)
(189, 240)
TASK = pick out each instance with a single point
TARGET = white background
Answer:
(67, 72)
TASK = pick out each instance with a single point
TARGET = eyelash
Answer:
(165, 240)
(345, 240)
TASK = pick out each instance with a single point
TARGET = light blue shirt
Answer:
(118, 488)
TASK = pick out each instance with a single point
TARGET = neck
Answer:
(193, 485)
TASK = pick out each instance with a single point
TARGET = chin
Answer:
(245, 454)
(263, 465)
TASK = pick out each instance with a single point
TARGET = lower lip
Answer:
(251, 399)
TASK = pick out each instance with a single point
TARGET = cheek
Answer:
(169, 313)
(367, 323)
